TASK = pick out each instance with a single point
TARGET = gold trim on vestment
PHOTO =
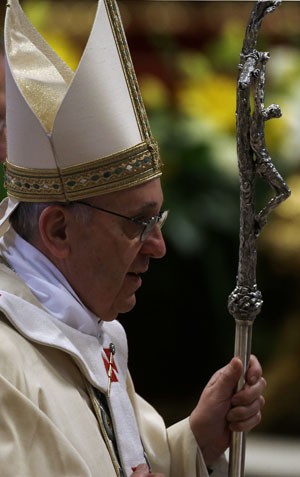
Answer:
(107, 441)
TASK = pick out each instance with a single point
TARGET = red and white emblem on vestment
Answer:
(110, 365)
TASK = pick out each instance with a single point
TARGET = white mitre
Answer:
(73, 135)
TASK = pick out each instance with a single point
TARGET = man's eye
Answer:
(140, 219)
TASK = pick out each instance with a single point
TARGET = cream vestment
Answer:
(49, 420)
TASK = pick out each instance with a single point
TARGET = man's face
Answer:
(107, 256)
(2, 111)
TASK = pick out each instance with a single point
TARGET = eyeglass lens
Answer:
(158, 220)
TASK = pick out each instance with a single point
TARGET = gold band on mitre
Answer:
(118, 171)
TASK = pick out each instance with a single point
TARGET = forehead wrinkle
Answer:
(130, 201)
(130, 204)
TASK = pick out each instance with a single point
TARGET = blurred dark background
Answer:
(186, 56)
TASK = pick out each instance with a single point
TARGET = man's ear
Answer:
(53, 227)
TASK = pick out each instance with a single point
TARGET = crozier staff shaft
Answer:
(245, 302)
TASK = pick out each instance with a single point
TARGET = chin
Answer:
(120, 307)
(110, 317)
(128, 305)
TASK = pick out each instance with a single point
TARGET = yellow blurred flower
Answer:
(39, 13)
(155, 94)
(64, 49)
(213, 99)
(275, 130)
(281, 236)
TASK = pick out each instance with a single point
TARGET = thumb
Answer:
(226, 379)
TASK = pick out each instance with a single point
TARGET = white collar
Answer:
(48, 284)
(67, 325)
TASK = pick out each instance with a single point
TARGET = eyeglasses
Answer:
(147, 225)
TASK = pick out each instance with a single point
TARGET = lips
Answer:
(138, 273)
(134, 275)
(136, 278)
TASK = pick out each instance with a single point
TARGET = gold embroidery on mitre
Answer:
(115, 172)
(128, 69)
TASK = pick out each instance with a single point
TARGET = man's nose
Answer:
(155, 245)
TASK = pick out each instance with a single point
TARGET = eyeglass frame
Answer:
(147, 224)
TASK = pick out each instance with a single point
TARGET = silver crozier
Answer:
(245, 302)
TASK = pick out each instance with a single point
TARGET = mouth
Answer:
(134, 274)
(135, 277)
(138, 272)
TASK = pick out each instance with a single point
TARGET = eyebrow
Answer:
(146, 207)
(143, 208)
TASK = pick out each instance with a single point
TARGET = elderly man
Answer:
(81, 222)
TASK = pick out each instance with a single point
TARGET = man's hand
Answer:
(142, 470)
(221, 410)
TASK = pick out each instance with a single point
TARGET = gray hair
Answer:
(25, 218)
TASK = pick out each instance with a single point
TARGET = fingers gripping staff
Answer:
(245, 302)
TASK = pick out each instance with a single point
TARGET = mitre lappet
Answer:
(73, 135)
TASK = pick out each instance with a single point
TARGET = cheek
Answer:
(102, 263)
(107, 269)
(117, 287)
(97, 284)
